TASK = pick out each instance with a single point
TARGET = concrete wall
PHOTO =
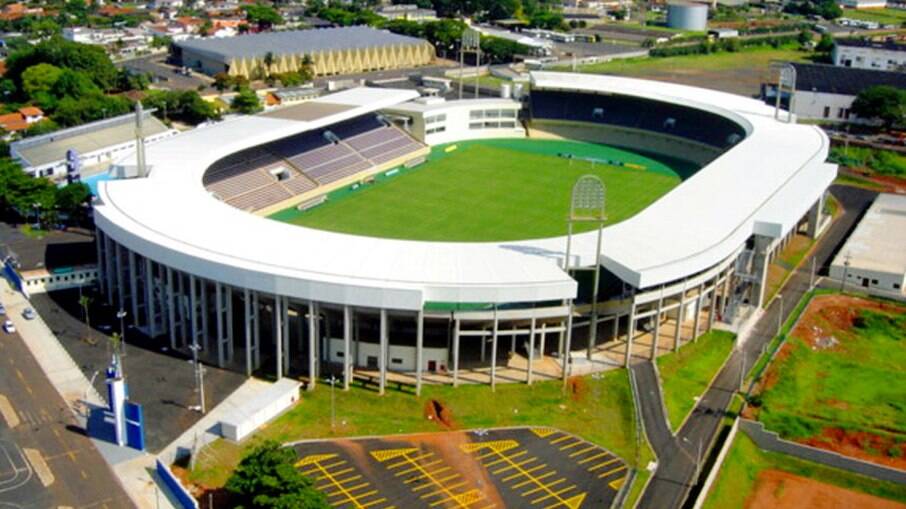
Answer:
(454, 121)
(401, 358)
(868, 58)
(818, 105)
(870, 280)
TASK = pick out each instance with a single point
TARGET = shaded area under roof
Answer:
(295, 42)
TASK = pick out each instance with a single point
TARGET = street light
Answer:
(698, 458)
(845, 270)
(121, 314)
(333, 410)
(199, 376)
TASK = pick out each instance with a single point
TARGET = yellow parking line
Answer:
(349, 496)
(538, 478)
(349, 479)
(408, 460)
(582, 451)
(373, 502)
(328, 467)
(546, 486)
(433, 472)
(570, 446)
(561, 439)
(349, 489)
(410, 469)
(557, 494)
(592, 458)
(604, 464)
(338, 473)
(500, 460)
(519, 474)
(513, 465)
(618, 469)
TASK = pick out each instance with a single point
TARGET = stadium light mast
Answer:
(587, 205)
(140, 139)
(786, 79)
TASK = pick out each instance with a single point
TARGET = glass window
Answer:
(475, 125)
(476, 114)
(492, 114)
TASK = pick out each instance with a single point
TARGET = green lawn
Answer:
(687, 373)
(856, 385)
(494, 190)
(602, 414)
(760, 56)
(745, 461)
(882, 162)
(883, 16)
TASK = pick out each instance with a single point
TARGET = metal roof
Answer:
(879, 241)
(295, 42)
(833, 79)
(84, 139)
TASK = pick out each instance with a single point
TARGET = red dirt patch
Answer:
(834, 316)
(775, 489)
(439, 413)
(858, 444)
(577, 387)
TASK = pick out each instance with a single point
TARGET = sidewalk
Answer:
(130, 466)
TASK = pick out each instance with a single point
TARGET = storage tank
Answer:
(687, 16)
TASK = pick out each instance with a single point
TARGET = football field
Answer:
(491, 190)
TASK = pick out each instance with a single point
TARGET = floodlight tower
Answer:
(786, 80)
(587, 204)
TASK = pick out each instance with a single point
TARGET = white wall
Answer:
(404, 354)
(42, 281)
(856, 278)
(814, 105)
(454, 120)
(868, 58)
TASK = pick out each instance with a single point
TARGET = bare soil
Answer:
(834, 316)
(439, 413)
(775, 489)
(858, 444)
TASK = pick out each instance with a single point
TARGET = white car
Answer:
(8, 327)
(29, 314)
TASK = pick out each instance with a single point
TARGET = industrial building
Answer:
(874, 257)
(331, 51)
(687, 15)
(864, 54)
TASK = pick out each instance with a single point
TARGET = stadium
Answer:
(375, 234)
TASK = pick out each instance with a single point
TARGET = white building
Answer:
(434, 120)
(827, 92)
(408, 12)
(537, 46)
(95, 143)
(861, 54)
(863, 4)
(874, 257)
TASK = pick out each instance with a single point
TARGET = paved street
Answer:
(45, 459)
(676, 455)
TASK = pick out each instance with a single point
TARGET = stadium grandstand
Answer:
(330, 51)
(266, 296)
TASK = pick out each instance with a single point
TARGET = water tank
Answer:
(506, 90)
(687, 16)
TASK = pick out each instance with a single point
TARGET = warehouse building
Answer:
(331, 51)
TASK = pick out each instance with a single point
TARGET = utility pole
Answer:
(333, 408)
(199, 376)
(811, 281)
(780, 314)
(121, 314)
(845, 271)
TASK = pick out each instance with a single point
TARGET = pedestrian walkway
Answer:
(78, 393)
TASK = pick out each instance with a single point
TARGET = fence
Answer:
(185, 499)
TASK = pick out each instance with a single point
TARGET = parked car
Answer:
(2, 310)
(29, 314)
(8, 327)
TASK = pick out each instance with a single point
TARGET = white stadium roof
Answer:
(763, 184)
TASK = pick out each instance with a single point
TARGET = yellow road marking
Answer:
(373, 502)
(41, 468)
(545, 497)
(572, 503)
(604, 464)
(513, 465)
(581, 451)
(529, 470)
(403, 472)
(316, 460)
(543, 432)
(618, 469)
(570, 446)
(539, 488)
(407, 459)
(537, 478)
(8, 412)
(501, 460)
(561, 439)
(592, 458)
(313, 459)
(463, 500)
(617, 484)
(433, 472)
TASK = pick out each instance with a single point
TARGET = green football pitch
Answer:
(492, 190)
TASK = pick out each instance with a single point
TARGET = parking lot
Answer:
(515, 467)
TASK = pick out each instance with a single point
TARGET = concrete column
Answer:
(230, 347)
(760, 269)
(219, 311)
(102, 260)
(455, 352)
(347, 347)
(278, 334)
(193, 310)
(543, 340)
(256, 331)
(814, 217)
(616, 327)
(569, 337)
(531, 352)
(247, 314)
(656, 333)
(727, 293)
(419, 351)
(120, 277)
(171, 309)
(112, 268)
(494, 352)
(150, 308)
(312, 346)
(284, 320)
(698, 312)
(205, 331)
(630, 333)
(678, 334)
(133, 287)
(712, 308)
(384, 347)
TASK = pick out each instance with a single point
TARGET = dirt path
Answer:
(775, 489)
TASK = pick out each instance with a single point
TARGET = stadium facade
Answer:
(331, 51)
(188, 254)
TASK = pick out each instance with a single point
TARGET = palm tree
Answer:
(85, 302)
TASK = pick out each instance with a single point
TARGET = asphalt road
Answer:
(45, 459)
(677, 456)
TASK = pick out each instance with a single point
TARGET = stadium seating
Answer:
(247, 179)
(637, 113)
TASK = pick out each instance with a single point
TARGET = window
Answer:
(840, 112)
(396, 360)
(476, 114)
(826, 111)
(508, 113)
(510, 125)
(896, 286)
(874, 281)
(475, 125)
(340, 354)
(435, 119)
(438, 129)
(492, 114)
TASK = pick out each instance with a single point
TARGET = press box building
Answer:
(345, 50)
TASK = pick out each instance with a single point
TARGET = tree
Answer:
(805, 37)
(499, 51)
(91, 60)
(246, 101)
(267, 478)
(85, 302)
(262, 15)
(37, 81)
(825, 44)
(882, 102)
(73, 200)
(186, 106)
